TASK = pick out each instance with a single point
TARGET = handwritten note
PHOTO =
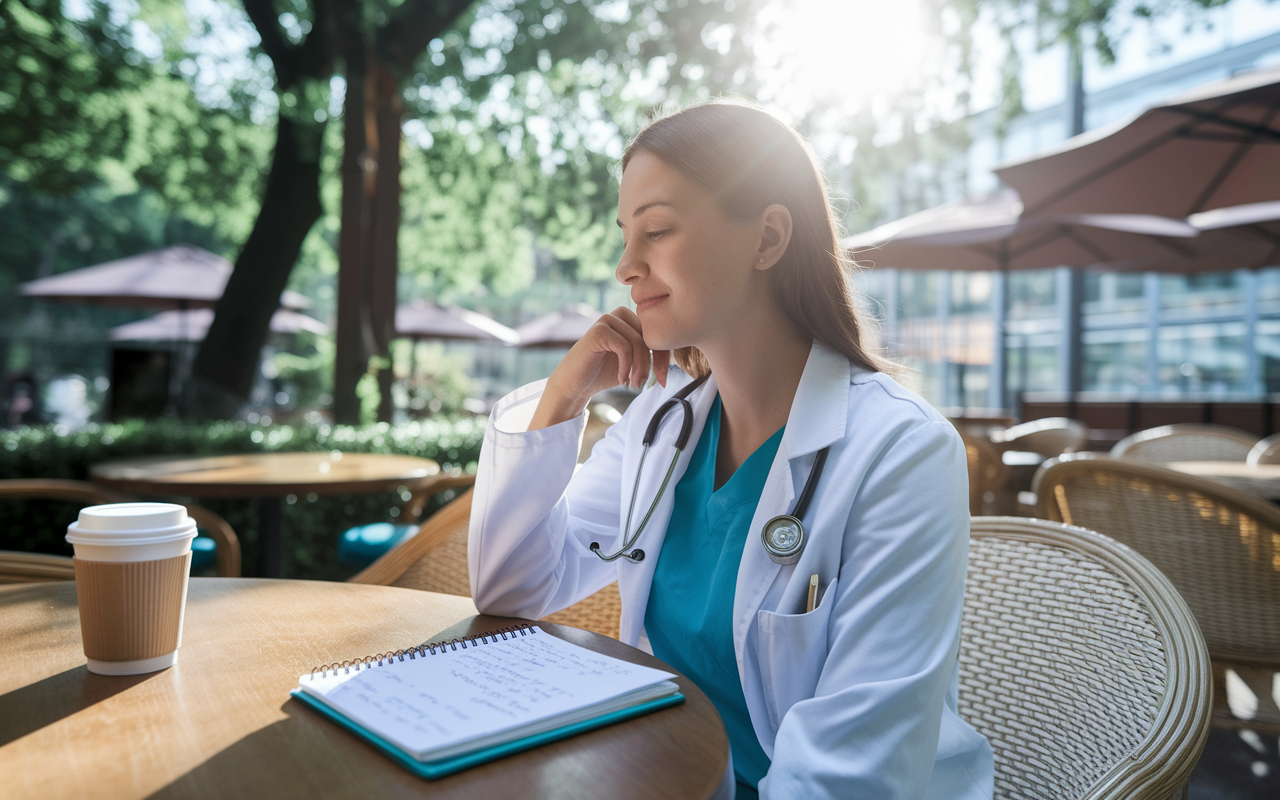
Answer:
(433, 702)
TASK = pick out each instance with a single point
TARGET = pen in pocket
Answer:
(813, 594)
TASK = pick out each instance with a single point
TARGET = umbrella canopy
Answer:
(561, 328)
(176, 277)
(421, 319)
(193, 325)
(990, 233)
(1250, 234)
(1213, 147)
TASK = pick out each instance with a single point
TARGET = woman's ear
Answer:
(775, 235)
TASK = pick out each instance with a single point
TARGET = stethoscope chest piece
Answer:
(783, 538)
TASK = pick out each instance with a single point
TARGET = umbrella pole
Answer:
(997, 382)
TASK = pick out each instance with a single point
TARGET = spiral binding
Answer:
(369, 662)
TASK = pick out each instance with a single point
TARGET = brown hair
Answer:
(750, 160)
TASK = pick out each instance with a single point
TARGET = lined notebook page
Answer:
(435, 702)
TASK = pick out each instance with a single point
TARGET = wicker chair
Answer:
(435, 560)
(1080, 664)
(34, 568)
(1266, 451)
(213, 525)
(1049, 437)
(1220, 547)
(1186, 442)
(987, 473)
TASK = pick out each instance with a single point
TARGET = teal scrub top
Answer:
(689, 620)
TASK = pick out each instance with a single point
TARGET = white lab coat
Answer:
(856, 699)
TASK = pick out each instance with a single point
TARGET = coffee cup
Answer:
(132, 561)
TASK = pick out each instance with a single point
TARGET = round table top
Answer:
(263, 474)
(221, 723)
(1260, 480)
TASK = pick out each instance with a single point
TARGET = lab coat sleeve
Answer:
(893, 636)
(533, 518)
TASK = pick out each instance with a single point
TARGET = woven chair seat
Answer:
(1049, 437)
(1220, 547)
(435, 560)
(1080, 664)
(1186, 442)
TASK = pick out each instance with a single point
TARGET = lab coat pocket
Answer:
(793, 648)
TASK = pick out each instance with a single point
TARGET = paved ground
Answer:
(1237, 765)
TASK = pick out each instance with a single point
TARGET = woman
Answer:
(732, 257)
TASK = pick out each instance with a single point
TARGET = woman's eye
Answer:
(656, 235)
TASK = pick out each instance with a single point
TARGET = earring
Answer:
(762, 261)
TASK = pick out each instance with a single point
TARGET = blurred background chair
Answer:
(600, 416)
(435, 560)
(1266, 451)
(361, 545)
(216, 544)
(1080, 664)
(1186, 442)
(987, 472)
(1220, 547)
(34, 568)
(1049, 437)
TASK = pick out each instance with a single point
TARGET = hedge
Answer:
(311, 524)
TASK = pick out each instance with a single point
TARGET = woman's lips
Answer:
(649, 303)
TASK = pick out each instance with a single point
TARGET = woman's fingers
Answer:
(626, 324)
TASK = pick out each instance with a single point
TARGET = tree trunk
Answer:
(227, 363)
(352, 336)
(385, 226)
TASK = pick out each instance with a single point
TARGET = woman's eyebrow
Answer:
(646, 207)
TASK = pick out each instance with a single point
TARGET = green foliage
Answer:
(437, 381)
(311, 524)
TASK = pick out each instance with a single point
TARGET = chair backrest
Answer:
(1219, 546)
(1080, 664)
(1266, 451)
(1186, 442)
(1049, 437)
(987, 472)
(88, 494)
(34, 568)
(435, 560)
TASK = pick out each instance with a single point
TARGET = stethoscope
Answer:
(783, 536)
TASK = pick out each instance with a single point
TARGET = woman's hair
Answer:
(749, 160)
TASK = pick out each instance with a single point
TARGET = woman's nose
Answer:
(630, 266)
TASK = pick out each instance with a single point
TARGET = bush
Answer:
(311, 524)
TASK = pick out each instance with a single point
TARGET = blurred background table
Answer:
(270, 477)
(221, 723)
(1260, 480)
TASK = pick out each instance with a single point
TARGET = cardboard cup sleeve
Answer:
(131, 611)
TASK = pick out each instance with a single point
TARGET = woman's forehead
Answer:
(649, 182)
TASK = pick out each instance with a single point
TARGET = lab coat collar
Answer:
(820, 410)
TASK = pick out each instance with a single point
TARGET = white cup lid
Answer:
(131, 523)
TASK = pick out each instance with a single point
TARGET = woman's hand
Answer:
(611, 353)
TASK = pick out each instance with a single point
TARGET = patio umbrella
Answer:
(1215, 146)
(176, 277)
(989, 232)
(1248, 235)
(424, 320)
(561, 328)
(193, 324)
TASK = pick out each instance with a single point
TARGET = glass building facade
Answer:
(1140, 334)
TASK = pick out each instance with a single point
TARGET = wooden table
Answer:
(221, 723)
(266, 476)
(1262, 480)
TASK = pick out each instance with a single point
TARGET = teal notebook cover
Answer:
(432, 770)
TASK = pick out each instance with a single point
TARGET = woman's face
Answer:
(692, 271)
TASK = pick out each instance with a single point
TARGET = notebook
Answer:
(438, 709)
